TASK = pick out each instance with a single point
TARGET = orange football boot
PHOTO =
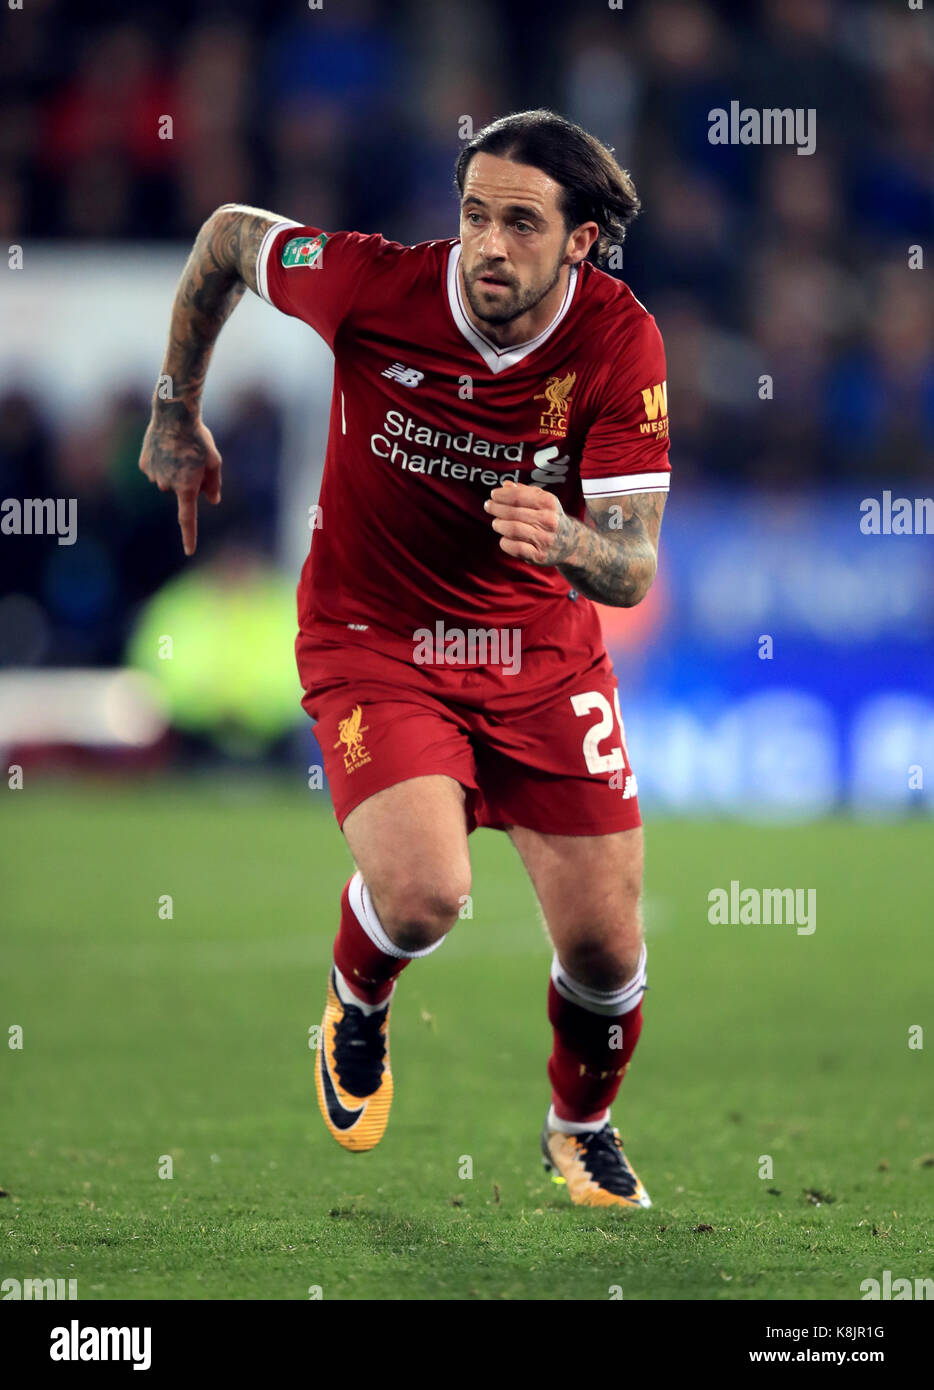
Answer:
(597, 1172)
(353, 1077)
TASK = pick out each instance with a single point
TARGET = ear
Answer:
(580, 243)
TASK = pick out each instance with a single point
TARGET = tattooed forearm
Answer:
(221, 266)
(613, 561)
(178, 452)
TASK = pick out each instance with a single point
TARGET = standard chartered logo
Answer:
(419, 448)
(399, 427)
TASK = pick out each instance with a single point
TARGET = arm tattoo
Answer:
(614, 560)
(221, 266)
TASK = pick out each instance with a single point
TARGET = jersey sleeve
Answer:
(626, 447)
(314, 275)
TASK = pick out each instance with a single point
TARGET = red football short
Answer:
(543, 747)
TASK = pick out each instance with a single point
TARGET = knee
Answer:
(417, 912)
(603, 963)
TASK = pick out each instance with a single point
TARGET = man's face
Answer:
(514, 240)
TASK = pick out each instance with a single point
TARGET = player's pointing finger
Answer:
(188, 519)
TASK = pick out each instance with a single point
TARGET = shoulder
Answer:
(294, 245)
(384, 272)
(626, 352)
(394, 257)
(623, 321)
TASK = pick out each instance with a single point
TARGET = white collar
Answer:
(497, 358)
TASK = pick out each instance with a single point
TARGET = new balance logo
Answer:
(406, 376)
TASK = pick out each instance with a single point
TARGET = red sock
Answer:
(369, 971)
(584, 1070)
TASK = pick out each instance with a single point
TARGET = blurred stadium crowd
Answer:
(753, 260)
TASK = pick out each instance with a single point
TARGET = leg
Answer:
(588, 887)
(409, 842)
(397, 768)
(398, 762)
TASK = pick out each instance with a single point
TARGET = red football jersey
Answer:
(427, 415)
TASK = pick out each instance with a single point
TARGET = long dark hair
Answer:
(595, 188)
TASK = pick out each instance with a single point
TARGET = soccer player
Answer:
(497, 463)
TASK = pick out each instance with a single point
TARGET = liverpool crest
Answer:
(557, 392)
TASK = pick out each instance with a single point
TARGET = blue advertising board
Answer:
(783, 665)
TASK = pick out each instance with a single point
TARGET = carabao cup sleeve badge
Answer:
(303, 250)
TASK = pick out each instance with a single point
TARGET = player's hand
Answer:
(531, 523)
(179, 455)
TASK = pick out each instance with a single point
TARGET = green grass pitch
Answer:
(145, 1037)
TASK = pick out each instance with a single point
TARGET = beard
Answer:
(512, 305)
